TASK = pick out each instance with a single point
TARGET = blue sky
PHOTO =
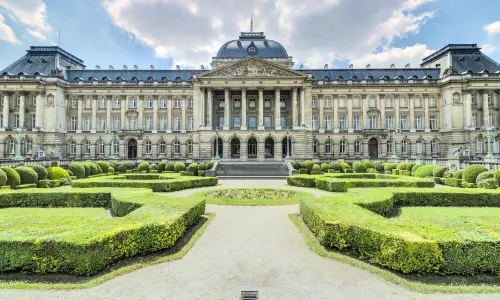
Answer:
(164, 33)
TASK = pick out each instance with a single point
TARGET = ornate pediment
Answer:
(252, 67)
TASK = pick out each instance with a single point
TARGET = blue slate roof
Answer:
(377, 74)
(239, 48)
(141, 75)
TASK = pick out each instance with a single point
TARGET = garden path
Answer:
(245, 248)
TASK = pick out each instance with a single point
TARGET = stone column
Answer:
(302, 106)
(227, 107)
(183, 113)
(295, 114)
(261, 109)
(396, 111)
(202, 108)
(411, 105)
(80, 114)
(335, 113)
(140, 119)
(364, 103)
(169, 114)
(467, 109)
(94, 113)
(277, 108)
(123, 107)
(22, 108)
(381, 102)
(6, 108)
(308, 106)
(39, 110)
(155, 114)
(243, 109)
(486, 109)
(109, 102)
(349, 114)
(209, 107)
(321, 114)
(426, 112)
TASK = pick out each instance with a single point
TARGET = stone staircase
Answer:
(252, 170)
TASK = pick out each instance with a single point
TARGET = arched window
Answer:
(11, 146)
(357, 147)
(479, 145)
(389, 147)
(177, 147)
(86, 147)
(419, 147)
(328, 147)
(315, 146)
(28, 146)
(435, 146)
(147, 147)
(405, 146)
(162, 146)
(72, 147)
(343, 147)
(496, 146)
(100, 147)
(189, 146)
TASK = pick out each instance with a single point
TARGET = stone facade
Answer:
(252, 104)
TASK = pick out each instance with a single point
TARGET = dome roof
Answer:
(252, 44)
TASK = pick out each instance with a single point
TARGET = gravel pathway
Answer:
(245, 248)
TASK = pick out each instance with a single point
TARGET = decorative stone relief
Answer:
(50, 100)
(252, 68)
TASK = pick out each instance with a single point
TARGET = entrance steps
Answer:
(252, 170)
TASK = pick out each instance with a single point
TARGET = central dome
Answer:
(252, 44)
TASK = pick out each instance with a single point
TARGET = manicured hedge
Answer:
(339, 185)
(3, 178)
(309, 164)
(193, 168)
(27, 175)
(454, 182)
(425, 171)
(389, 167)
(40, 170)
(13, 178)
(179, 166)
(143, 166)
(161, 166)
(358, 167)
(324, 167)
(439, 171)
(471, 172)
(56, 173)
(153, 167)
(483, 176)
(301, 180)
(104, 165)
(414, 168)
(458, 174)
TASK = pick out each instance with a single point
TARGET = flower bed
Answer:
(255, 194)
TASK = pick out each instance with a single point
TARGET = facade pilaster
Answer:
(94, 113)
(467, 109)
(302, 107)
(486, 109)
(170, 122)
(109, 125)
(277, 108)
(209, 107)
(80, 114)
(411, 105)
(308, 106)
(349, 113)
(381, 103)
(227, 108)
(183, 113)
(39, 110)
(364, 103)
(155, 114)
(202, 114)
(295, 118)
(261, 109)
(22, 108)
(397, 121)
(123, 107)
(140, 121)
(321, 113)
(6, 108)
(243, 111)
(426, 112)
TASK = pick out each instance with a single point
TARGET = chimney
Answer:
(407, 66)
(368, 66)
(125, 67)
(136, 67)
(393, 66)
(177, 67)
(151, 67)
(97, 67)
(351, 66)
(111, 67)
(326, 66)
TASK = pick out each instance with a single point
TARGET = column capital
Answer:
(209, 89)
(381, 96)
(109, 97)
(261, 89)
(7, 93)
(227, 89)
(411, 95)
(301, 88)
(363, 96)
(320, 96)
(23, 93)
(349, 97)
(202, 89)
(244, 89)
(425, 95)
(95, 97)
(36, 93)
(277, 89)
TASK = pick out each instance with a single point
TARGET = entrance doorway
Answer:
(269, 148)
(252, 148)
(235, 148)
(219, 152)
(132, 148)
(286, 149)
(373, 148)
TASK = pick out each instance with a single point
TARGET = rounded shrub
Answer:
(93, 168)
(309, 166)
(116, 165)
(13, 178)
(388, 167)
(379, 167)
(78, 169)
(143, 166)
(296, 165)
(179, 166)
(104, 165)
(126, 165)
(193, 168)
(414, 168)
(70, 172)
(153, 167)
(358, 167)
(409, 166)
(57, 173)
(425, 171)
(209, 165)
(439, 171)
(496, 176)
(401, 166)
(99, 170)
(3, 178)
(86, 165)
(169, 166)
(368, 165)
(335, 166)
(316, 168)
(324, 167)
(344, 165)
(371, 170)
(483, 176)
(40, 170)
(470, 173)
(201, 167)
(489, 183)
(458, 174)
(111, 170)
(448, 174)
(161, 166)
(28, 175)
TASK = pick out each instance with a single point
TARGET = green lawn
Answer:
(248, 197)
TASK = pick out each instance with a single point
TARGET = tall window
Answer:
(102, 103)
(315, 146)
(28, 145)
(12, 146)
(267, 102)
(149, 123)
(282, 102)
(88, 123)
(190, 123)
(33, 121)
(434, 146)
(116, 123)
(162, 147)
(267, 121)
(328, 123)
(357, 146)
(133, 103)
(18, 121)
(86, 147)
(133, 123)
(283, 121)
(433, 122)
(496, 148)
(177, 147)
(418, 103)
(72, 147)
(163, 123)
(405, 147)
(402, 122)
(237, 103)
(177, 123)
(252, 122)
(74, 103)
(117, 103)
(342, 102)
(490, 120)
(222, 103)
(328, 147)
(479, 145)
(221, 121)
(163, 103)
(473, 121)
(373, 122)
(147, 147)
(342, 147)
(473, 98)
(251, 102)
(389, 147)
(100, 147)
(402, 102)
(388, 122)
(342, 122)
(115, 147)
(18, 100)
(190, 147)
(388, 102)
(356, 122)
(355, 102)
(432, 102)
(102, 123)
(190, 102)
(177, 103)
(33, 100)
(418, 122)
(419, 147)
(314, 102)
(372, 102)
(315, 122)
(490, 100)
(88, 103)
(328, 102)
(149, 103)
(73, 123)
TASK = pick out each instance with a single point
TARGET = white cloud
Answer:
(488, 49)
(493, 28)
(6, 33)
(315, 32)
(31, 14)
(398, 56)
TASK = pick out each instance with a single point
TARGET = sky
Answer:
(188, 33)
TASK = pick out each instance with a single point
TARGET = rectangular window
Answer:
(314, 104)
(73, 124)
(402, 123)
(328, 102)
(283, 121)
(149, 103)
(237, 121)
(418, 103)
(163, 123)
(372, 102)
(342, 102)
(490, 100)
(33, 121)
(88, 103)
(389, 147)
(190, 123)
(355, 102)
(102, 123)
(315, 122)
(163, 103)
(473, 121)
(177, 103)
(388, 102)
(432, 102)
(490, 120)
(388, 122)
(252, 122)
(117, 103)
(342, 122)
(149, 123)
(74, 103)
(133, 123)
(328, 123)
(419, 147)
(133, 103)
(88, 123)
(418, 122)
(356, 122)
(222, 103)
(18, 100)
(282, 102)
(251, 103)
(433, 122)
(102, 103)
(33, 100)
(72, 148)
(221, 121)
(116, 123)
(402, 102)
(237, 103)
(190, 102)
(267, 103)
(373, 122)
(101, 148)
(115, 147)
(473, 99)
(177, 123)
(267, 121)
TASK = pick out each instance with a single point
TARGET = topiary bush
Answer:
(489, 183)
(358, 167)
(153, 167)
(201, 167)
(335, 166)
(104, 165)
(111, 170)
(56, 173)
(13, 178)
(93, 168)
(179, 166)
(169, 167)
(127, 165)
(193, 169)
(371, 170)
(98, 168)
(368, 165)
(40, 170)
(209, 165)
(316, 170)
(309, 166)
(388, 167)
(324, 167)
(161, 166)
(78, 169)
(471, 172)
(409, 166)
(344, 165)
(143, 166)
(425, 171)
(28, 175)
(379, 167)
(496, 176)
(439, 171)
(415, 167)
(483, 176)
(3, 178)
(69, 172)
(296, 165)
(87, 165)
(401, 166)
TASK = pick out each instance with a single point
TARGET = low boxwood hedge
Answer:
(471, 172)
(454, 182)
(342, 185)
(13, 178)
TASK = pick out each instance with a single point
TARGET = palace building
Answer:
(251, 105)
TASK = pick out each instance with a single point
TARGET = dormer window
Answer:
(135, 79)
(354, 78)
(477, 58)
(119, 79)
(150, 79)
(369, 78)
(461, 58)
(340, 78)
(326, 79)
(164, 79)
